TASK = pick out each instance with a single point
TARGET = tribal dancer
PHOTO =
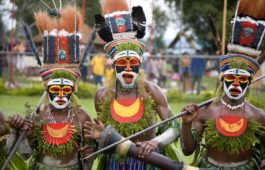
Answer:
(231, 126)
(56, 137)
(129, 103)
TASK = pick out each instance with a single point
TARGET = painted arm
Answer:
(167, 137)
(87, 146)
(163, 110)
(187, 140)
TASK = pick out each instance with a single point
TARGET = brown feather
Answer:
(67, 16)
(109, 6)
(253, 8)
(66, 21)
(41, 20)
(44, 21)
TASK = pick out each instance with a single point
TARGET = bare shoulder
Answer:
(101, 92)
(152, 88)
(207, 110)
(83, 115)
(256, 110)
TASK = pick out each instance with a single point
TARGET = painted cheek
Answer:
(243, 85)
(119, 69)
(228, 83)
(135, 69)
(52, 95)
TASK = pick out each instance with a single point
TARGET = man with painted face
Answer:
(231, 127)
(55, 138)
(129, 103)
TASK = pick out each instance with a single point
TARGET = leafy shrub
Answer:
(2, 87)
(206, 95)
(86, 90)
(35, 90)
(257, 100)
(174, 95)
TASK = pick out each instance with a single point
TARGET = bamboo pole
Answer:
(224, 27)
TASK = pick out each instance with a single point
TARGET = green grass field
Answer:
(16, 104)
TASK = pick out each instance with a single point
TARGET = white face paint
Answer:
(236, 82)
(234, 92)
(127, 79)
(60, 103)
(60, 92)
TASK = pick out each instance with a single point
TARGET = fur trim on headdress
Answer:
(44, 22)
(110, 6)
(66, 20)
(252, 8)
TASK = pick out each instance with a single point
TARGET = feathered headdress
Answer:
(247, 37)
(61, 40)
(120, 27)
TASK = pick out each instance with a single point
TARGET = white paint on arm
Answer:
(167, 137)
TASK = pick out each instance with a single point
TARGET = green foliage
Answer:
(2, 87)
(174, 95)
(86, 90)
(238, 64)
(128, 129)
(257, 100)
(15, 163)
(233, 145)
(91, 9)
(178, 96)
(25, 91)
(62, 74)
(161, 20)
(127, 46)
(206, 95)
(55, 150)
(195, 16)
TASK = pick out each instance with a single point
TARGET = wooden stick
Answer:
(215, 33)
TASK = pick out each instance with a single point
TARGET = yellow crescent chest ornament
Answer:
(127, 110)
(57, 133)
(231, 125)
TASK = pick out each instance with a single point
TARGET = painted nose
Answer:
(61, 93)
(236, 82)
(128, 68)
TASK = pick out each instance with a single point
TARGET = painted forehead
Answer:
(237, 71)
(61, 81)
(127, 53)
(128, 58)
